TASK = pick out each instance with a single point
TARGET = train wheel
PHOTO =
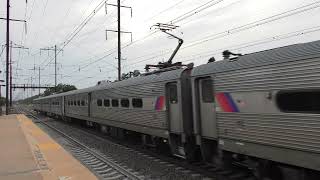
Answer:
(268, 170)
(192, 152)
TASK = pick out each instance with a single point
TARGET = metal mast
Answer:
(119, 42)
(7, 58)
(10, 73)
(55, 67)
(39, 80)
(55, 61)
(118, 5)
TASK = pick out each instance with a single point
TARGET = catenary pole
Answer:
(55, 67)
(119, 42)
(39, 80)
(10, 71)
(7, 57)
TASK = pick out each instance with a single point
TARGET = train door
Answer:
(173, 107)
(207, 108)
(89, 104)
(63, 111)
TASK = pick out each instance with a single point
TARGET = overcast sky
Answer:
(206, 33)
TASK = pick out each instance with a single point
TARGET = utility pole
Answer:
(55, 61)
(7, 57)
(7, 52)
(55, 66)
(119, 33)
(119, 42)
(11, 74)
(39, 80)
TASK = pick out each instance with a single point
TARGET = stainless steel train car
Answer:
(259, 110)
(151, 105)
(263, 105)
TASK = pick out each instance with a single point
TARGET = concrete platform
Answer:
(29, 153)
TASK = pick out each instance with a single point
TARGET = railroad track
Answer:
(103, 166)
(197, 170)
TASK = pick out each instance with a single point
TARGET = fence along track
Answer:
(103, 166)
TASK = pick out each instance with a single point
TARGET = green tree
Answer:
(59, 89)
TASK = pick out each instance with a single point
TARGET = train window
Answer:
(137, 103)
(83, 103)
(173, 94)
(207, 91)
(106, 102)
(75, 102)
(125, 103)
(115, 103)
(78, 102)
(299, 101)
(99, 102)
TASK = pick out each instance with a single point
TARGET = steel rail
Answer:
(112, 164)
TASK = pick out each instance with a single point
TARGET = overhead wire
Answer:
(45, 7)
(240, 28)
(31, 11)
(177, 19)
(192, 12)
(165, 10)
(135, 41)
(203, 15)
(195, 11)
(251, 43)
(76, 31)
(22, 42)
(254, 24)
(63, 19)
(95, 29)
(2, 51)
(108, 51)
(255, 43)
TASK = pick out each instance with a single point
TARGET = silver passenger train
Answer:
(259, 110)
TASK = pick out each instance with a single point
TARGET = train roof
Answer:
(157, 77)
(262, 58)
